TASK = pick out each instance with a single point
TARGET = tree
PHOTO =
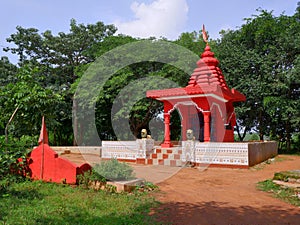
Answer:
(7, 71)
(27, 101)
(192, 41)
(57, 58)
(242, 69)
(261, 59)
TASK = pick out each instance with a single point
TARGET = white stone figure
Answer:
(188, 148)
(145, 145)
(145, 135)
(190, 135)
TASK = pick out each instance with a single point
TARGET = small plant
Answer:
(150, 186)
(114, 170)
(110, 188)
(91, 178)
(146, 187)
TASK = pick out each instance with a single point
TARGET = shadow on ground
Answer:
(220, 213)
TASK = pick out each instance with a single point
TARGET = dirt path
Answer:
(225, 196)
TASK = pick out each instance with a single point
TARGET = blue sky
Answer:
(141, 18)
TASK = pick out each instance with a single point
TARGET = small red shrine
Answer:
(45, 164)
(205, 104)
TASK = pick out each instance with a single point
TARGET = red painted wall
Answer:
(53, 168)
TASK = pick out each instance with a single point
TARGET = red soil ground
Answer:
(225, 196)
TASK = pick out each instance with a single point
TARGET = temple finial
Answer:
(43, 139)
(204, 35)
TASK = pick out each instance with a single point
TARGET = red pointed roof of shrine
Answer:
(206, 79)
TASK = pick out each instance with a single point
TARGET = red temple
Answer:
(205, 104)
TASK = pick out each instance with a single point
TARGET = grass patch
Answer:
(285, 175)
(48, 203)
(286, 194)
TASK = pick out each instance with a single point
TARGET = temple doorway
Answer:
(196, 123)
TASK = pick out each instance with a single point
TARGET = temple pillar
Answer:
(167, 142)
(206, 116)
(184, 122)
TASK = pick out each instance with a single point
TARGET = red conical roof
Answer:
(206, 78)
(207, 72)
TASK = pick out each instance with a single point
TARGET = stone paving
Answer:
(151, 173)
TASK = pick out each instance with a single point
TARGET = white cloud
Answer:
(164, 18)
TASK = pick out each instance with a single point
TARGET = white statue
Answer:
(145, 135)
(190, 135)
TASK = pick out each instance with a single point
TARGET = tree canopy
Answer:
(261, 59)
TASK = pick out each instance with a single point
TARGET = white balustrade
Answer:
(215, 153)
(129, 150)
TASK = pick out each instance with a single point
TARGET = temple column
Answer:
(167, 142)
(184, 122)
(206, 116)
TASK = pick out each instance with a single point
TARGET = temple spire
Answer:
(43, 139)
(204, 35)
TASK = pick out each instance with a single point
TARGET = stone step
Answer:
(287, 184)
(165, 156)
(165, 162)
(175, 156)
(168, 150)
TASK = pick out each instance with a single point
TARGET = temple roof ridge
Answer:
(207, 71)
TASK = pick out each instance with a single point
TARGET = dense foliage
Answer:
(261, 59)
(13, 160)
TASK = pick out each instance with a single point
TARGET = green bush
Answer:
(146, 187)
(114, 170)
(254, 137)
(11, 168)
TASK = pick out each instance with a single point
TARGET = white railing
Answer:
(130, 150)
(215, 153)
